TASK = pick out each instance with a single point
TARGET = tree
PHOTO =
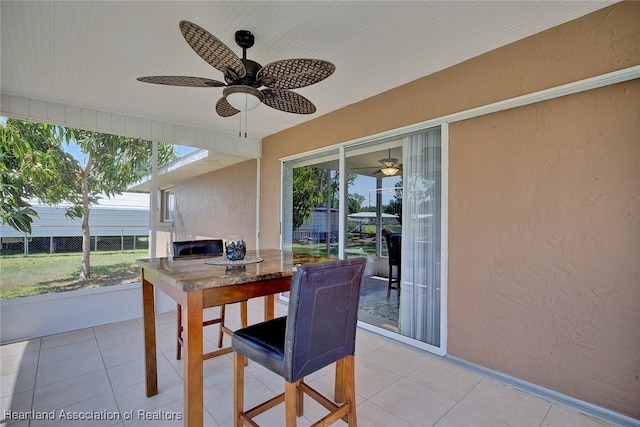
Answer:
(32, 165)
(354, 204)
(35, 165)
(310, 190)
(307, 193)
(395, 205)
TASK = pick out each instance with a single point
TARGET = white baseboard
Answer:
(586, 408)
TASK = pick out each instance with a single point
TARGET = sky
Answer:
(74, 150)
(366, 186)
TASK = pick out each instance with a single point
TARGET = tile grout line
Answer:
(106, 372)
(546, 414)
(35, 378)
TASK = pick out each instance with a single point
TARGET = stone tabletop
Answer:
(194, 273)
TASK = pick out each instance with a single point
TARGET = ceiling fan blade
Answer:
(212, 50)
(224, 109)
(288, 101)
(294, 73)
(181, 81)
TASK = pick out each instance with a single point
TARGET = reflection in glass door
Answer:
(310, 204)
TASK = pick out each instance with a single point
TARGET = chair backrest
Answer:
(323, 313)
(394, 245)
(197, 247)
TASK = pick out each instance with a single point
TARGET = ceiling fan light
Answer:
(243, 98)
(390, 171)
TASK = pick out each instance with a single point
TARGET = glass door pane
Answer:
(374, 211)
(310, 204)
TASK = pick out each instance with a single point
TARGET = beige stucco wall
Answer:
(560, 310)
(214, 205)
(544, 244)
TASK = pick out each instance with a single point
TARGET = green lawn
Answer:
(38, 274)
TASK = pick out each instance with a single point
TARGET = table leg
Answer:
(269, 307)
(149, 327)
(192, 360)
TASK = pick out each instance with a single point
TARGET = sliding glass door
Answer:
(388, 208)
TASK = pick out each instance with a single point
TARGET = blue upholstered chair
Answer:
(320, 329)
(190, 248)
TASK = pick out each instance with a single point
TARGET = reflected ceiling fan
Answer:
(247, 84)
(390, 166)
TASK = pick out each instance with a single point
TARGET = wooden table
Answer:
(195, 285)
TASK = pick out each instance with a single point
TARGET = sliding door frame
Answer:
(342, 147)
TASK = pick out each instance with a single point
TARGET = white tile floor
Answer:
(99, 372)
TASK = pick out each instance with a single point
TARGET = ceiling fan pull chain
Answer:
(245, 119)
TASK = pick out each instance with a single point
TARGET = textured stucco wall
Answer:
(544, 244)
(216, 205)
(581, 276)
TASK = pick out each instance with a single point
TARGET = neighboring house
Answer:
(315, 228)
(541, 263)
(121, 221)
(370, 218)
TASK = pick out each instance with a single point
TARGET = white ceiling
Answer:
(89, 53)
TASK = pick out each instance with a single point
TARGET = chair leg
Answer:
(299, 398)
(350, 389)
(390, 281)
(243, 314)
(238, 388)
(221, 332)
(290, 403)
(179, 332)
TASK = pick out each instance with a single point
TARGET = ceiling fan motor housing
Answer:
(249, 79)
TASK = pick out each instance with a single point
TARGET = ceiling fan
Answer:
(390, 166)
(247, 83)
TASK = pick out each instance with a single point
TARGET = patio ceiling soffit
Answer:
(217, 143)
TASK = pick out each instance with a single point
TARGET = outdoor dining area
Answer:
(265, 362)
